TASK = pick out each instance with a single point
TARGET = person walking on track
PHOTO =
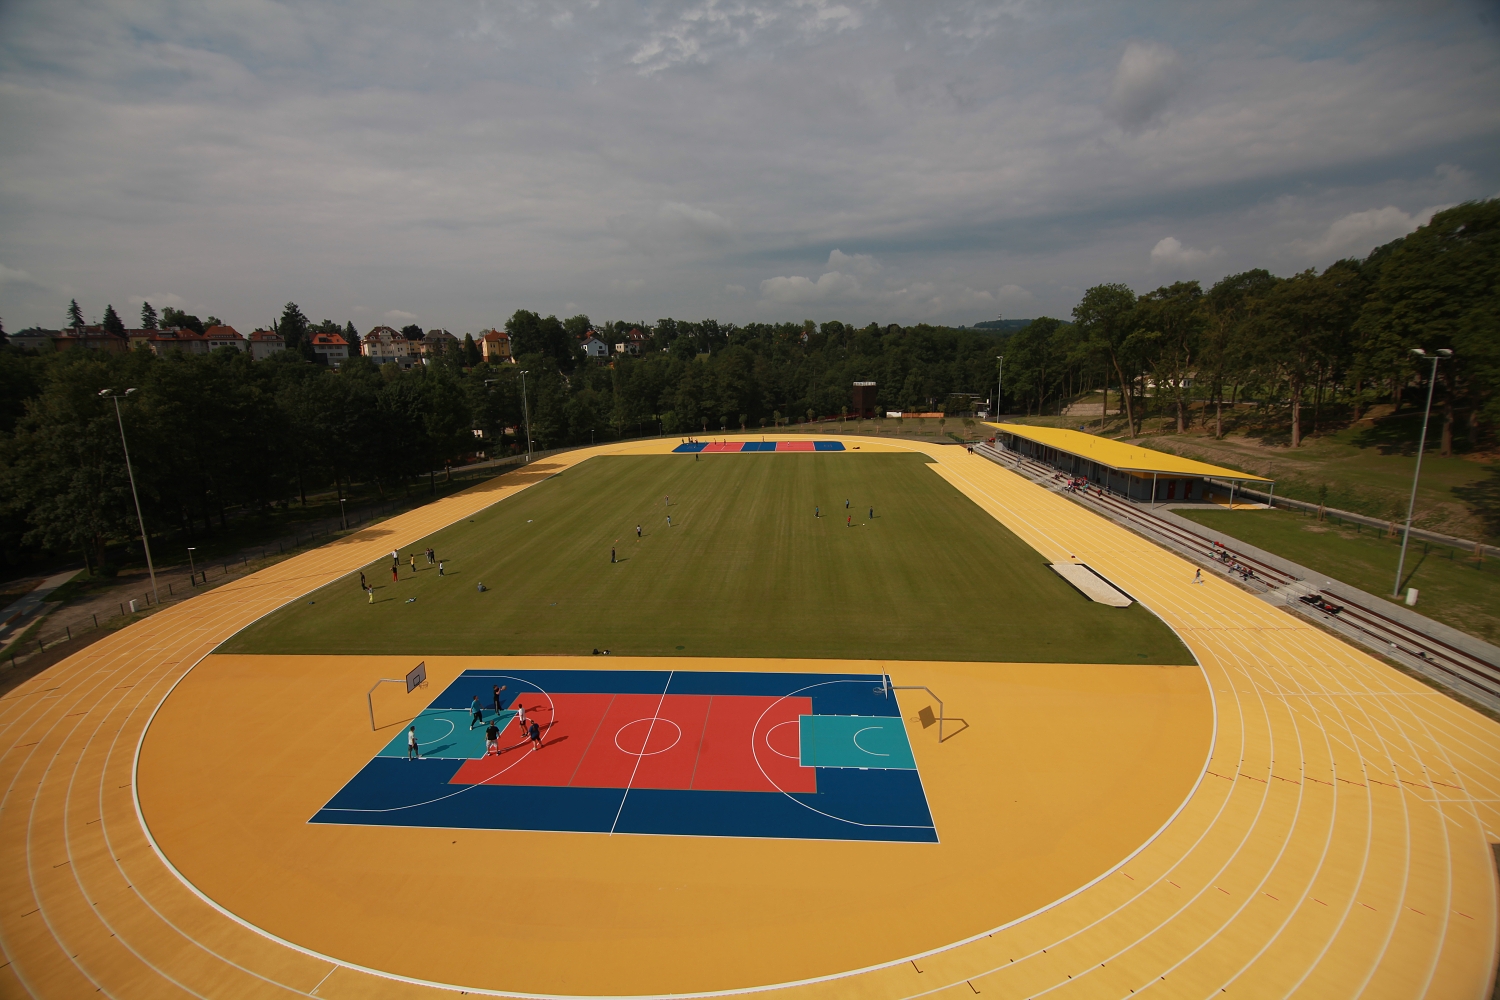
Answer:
(411, 744)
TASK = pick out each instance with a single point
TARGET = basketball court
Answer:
(1286, 817)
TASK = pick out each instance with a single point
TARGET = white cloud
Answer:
(15, 276)
(831, 286)
(400, 316)
(1014, 299)
(1357, 233)
(1170, 254)
(857, 263)
(1148, 76)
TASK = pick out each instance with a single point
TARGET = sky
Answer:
(448, 162)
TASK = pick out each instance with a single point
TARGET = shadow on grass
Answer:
(1483, 499)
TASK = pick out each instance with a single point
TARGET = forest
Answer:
(216, 434)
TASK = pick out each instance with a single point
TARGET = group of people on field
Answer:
(432, 560)
(530, 728)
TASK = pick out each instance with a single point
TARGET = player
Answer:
(535, 732)
(637, 532)
(492, 740)
(413, 562)
(499, 703)
(411, 744)
(478, 711)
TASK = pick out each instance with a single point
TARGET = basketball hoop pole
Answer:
(924, 687)
(370, 697)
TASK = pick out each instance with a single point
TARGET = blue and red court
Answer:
(715, 447)
(728, 754)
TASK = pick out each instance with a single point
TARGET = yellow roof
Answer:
(1122, 456)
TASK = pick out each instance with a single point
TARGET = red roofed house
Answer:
(330, 347)
(495, 346)
(224, 336)
(264, 343)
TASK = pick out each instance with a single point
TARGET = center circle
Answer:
(647, 739)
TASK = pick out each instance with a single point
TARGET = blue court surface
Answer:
(723, 754)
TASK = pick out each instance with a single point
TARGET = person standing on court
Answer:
(395, 576)
(411, 744)
(497, 688)
(872, 513)
(492, 740)
(535, 732)
(371, 592)
(362, 584)
(612, 554)
(669, 520)
(478, 711)
(440, 567)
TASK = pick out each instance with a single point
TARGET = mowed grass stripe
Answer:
(745, 570)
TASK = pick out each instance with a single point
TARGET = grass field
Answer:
(1453, 589)
(745, 570)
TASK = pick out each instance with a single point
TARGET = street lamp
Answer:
(999, 383)
(526, 412)
(1443, 354)
(192, 569)
(140, 518)
(342, 516)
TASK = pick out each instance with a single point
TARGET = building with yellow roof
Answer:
(1127, 469)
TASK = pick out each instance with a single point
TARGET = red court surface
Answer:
(730, 743)
(795, 446)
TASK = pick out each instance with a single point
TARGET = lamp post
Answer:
(526, 412)
(192, 569)
(1443, 354)
(344, 518)
(999, 384)
(139, 517)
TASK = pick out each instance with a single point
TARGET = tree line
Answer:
(212, 434)
(1301, 348)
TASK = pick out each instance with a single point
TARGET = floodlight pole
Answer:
(192, 569)
(526, 411)
(1442, 355)
(999, 384)
(139, 517)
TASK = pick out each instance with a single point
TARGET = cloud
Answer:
(1015, 299)
(735, 289)
(1358, 233)
(702, 31)
(14, 276)
(627, 284)
(1170, 254)
(831, 286)
(674, 225)
(400, 316)
(1149, 75)
(858, 263)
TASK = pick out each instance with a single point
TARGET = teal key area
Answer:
(862, 741)
(445, 733)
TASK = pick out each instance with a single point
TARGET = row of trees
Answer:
(1296, 345)
(216, 432)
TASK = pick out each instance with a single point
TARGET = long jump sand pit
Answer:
(1055, 775)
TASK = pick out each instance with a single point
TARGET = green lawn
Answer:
(1453, 588)
(745, 570)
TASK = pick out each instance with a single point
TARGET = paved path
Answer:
(16, 617)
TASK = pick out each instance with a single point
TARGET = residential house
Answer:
(35, 338)
(633, 344)
(94, 338)
(224, 336)
(264, 343)
(330, 347)
(174, 338)
(595, 349)
(494, 345)
(384, 345)
(437, 342)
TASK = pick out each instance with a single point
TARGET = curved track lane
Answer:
(1338, 845)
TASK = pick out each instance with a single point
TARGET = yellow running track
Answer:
(1338, 844)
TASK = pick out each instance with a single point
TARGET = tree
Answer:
(112, 322)
(1440, 287)
(293, 327)
(351, 337)
(148, 316)
(1103, 317)
(171, 318)
(412, 331)
(75, 315)
(472, 356)
(1174, 321)
(1227, 311)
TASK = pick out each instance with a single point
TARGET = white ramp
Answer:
(1093, 586)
